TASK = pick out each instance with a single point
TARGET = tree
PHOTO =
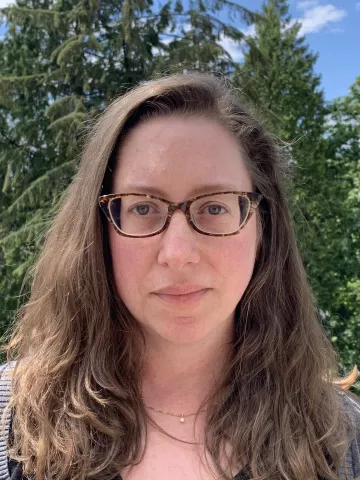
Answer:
(343, 160)
(283, 86)
(62, 62)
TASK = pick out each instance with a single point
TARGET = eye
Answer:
(142, 209)
(212, 209)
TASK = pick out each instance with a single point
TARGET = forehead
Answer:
(179, 157)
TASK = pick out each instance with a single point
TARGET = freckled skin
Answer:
(178, 155)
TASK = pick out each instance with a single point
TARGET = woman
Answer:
(173, 334)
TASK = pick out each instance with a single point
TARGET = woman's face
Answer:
(177, 157)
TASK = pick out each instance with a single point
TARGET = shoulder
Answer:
(6, 371)
(351, 406)
(6, 374)
(5, 420)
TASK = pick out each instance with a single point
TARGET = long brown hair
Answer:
(78, 411)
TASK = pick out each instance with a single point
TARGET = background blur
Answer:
(294, 63)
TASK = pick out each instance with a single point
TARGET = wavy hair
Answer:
(78, 411)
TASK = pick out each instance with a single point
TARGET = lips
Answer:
(181, 295)
(180, 289)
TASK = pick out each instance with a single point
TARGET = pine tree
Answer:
(281, 83)
(343, 161)
(62, 62)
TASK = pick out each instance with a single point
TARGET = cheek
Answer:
(130, 261)
(237, 258)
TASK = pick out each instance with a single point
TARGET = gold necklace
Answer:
(181, 416)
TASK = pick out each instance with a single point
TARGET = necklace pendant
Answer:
(182, 419)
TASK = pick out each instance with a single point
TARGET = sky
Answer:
(332, 30)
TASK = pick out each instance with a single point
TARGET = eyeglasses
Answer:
(217, 214)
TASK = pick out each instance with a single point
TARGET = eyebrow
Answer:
(210, 188)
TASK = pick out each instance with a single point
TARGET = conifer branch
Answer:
(48, 179)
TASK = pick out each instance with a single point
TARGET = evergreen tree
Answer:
(62, 63)
(343, 161)
(281, 82)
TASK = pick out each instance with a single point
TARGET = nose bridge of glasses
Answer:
(184, 206)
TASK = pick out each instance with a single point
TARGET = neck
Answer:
(178, 378)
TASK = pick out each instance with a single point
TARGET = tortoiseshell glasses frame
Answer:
(105, 200)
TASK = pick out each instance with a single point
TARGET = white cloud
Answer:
(249, 31)
(305, 4)
(235, 49)
(317, 17)
(232, 47)
(6, 3)
(168, 35)
(358, 6)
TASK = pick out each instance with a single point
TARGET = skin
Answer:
(177, 156)
(186, 345)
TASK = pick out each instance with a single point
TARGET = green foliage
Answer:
(343, 160)
(279, 78)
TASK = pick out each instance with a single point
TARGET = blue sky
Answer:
(338, 43)
(332, 29)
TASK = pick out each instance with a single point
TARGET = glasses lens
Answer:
(220, 214)
(138, 214)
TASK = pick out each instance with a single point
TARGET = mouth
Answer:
(185, 299)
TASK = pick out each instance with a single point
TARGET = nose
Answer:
(178, 245)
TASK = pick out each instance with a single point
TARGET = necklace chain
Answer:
(181, 416)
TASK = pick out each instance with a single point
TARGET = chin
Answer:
(181, 330)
